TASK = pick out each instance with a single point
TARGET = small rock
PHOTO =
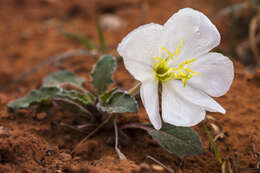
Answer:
(256, 76)
(22, 112)
(50, 151)
(41, 116)
(70, 169)
(4, 132)
(59, 166)
(65, 157)
(157, 168)
(81, 168)
(89, 150)
(76, 158)
(111, 22)
(85, 167)
(143, 168)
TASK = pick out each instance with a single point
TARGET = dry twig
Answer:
(160, 163)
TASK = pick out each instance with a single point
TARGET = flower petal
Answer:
(197, 97)
(149, 96)
(178, 111)
(138, 49)
(198, 33)
(216, 74)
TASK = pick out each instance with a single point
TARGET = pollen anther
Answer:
(164, 72)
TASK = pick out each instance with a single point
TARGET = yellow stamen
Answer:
(177, 52)
(163, 72)
(170, 55)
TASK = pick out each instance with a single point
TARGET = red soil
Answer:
(33, 143)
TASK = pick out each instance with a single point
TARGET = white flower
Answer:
(176, 57)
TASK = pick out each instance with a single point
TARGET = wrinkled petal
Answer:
(198, 33)
(149, 96)
(177, 111)
(138, 49)
(216, 74)
(197, 97)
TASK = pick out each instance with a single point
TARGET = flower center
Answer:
(164, 72)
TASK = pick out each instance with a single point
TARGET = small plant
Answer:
(103, 106)
(178, 81)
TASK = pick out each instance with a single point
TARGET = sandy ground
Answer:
(34, 143)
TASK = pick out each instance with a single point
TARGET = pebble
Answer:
(83, 167)
(4, 132)
(50, 151)
(157, 168)
(143, 168)
(41, 116)
(111, 22)
(89, 150)
(65, 157)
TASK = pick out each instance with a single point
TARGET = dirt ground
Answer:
(29, 142)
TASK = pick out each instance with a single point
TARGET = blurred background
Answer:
(32, 31)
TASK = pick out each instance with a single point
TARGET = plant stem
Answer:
(78, 38)
(119, 153)
(213, 144)
(135, 90)
(71, 127)
(233, 40)
(93, 132)
(135, 126)
(101, 36)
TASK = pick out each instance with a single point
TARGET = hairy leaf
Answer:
(119, 102)
(107, 94)
(41, 96)
(102, 73)
(82, 98)
(62, 76)
(182, 141)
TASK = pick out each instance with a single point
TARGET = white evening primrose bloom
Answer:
(176, 57)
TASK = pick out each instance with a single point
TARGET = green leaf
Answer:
(82, 98)
(41, 96)
(62, 76)
(102, 73)
(101, 36)
(182, 141)
(78, 38)
(213, 144)
(106, 95)
(119, 102)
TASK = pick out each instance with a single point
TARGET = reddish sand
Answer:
(34, 143)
